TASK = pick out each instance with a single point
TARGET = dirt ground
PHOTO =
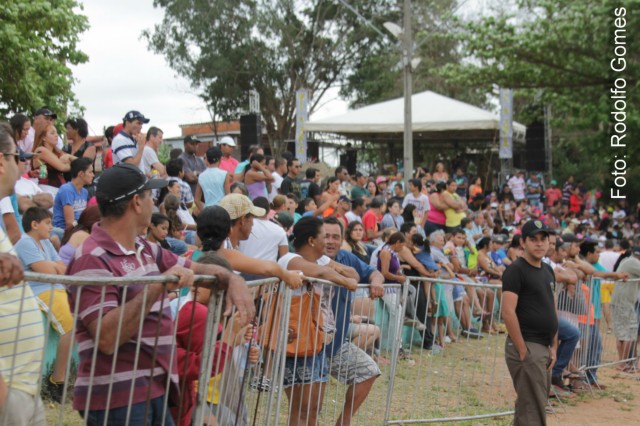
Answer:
(618, 405)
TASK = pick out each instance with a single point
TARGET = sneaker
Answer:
(472, 333)
(53, 390)
(557, 381)
(447, 339)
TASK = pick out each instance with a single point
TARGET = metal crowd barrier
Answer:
(587, 306)
(236, 373)
(467, 380)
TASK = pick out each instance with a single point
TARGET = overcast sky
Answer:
(122, 74)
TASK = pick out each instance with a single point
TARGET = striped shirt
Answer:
(101, 256)
(21, 333)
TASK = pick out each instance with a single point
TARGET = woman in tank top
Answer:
(48, 159)
(436, 218)
(257, 177)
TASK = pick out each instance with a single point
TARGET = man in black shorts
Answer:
(529, 313)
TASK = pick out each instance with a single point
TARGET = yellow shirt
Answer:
(453, 217)
(21, 333)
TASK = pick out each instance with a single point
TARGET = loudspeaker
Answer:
(250, 133)
(535, 153)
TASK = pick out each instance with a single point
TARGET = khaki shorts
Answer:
(625, 323)
(57, 303)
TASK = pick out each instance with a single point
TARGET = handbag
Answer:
(305, 329)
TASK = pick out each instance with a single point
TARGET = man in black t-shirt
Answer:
(291, 183)
(529, 313)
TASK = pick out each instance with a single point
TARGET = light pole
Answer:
(407, 54)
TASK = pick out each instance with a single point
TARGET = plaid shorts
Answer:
(351, 365)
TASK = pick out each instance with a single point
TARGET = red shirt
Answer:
(370, 221)
(229, 165)
(552, 194)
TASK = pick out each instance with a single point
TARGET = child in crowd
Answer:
(37, 254)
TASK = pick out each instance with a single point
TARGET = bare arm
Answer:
(69, 216)
(135, 160)
(11, 226)
(314, 270)
(385, 261)
(49, 267)
(249, 265)
(47, 157)
(43, 199)
(198, 197)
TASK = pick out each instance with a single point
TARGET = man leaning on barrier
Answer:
(130, 326)
(529, 313)
(348, 363)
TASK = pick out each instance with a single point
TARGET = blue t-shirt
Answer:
(426, 260)
(595, 292)
(342, 298)
(68, 196)
(29, 253)
(497, 259)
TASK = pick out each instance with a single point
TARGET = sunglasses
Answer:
(15, 155)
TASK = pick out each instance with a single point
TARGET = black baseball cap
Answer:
(344, 198)
(284, 218)
(46, 112)
(191, 139)
(123, 181)
(135, 115)
(534, 227)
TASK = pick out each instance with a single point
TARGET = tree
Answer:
(272, 46)
(379, 77)
(38, 42)
(558, 53)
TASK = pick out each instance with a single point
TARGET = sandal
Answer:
(573, 375)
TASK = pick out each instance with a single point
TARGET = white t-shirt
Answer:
(275, 185)
(6, 206)
(123, 147)
(517, 186)
(352, 217)
(265, 239)
(27, 187)
(608, 259)
(422, 205)
(149, 157)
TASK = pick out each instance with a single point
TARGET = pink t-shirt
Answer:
(229, 165)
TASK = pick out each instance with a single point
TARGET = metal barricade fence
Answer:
(221, 378)
(376, 372)
(465, 380)
(587, 306)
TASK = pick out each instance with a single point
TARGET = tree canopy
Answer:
(38, 43)
(559, 53)
(272, 46)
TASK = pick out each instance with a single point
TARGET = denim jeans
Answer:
(568, 335)
(139, 415)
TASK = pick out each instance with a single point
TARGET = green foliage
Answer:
(558, 53)
(272, 46)
(163, 153)
(378, 77)
(38, 42)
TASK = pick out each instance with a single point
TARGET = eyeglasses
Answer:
(15, 155)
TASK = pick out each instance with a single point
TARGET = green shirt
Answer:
(359, 192)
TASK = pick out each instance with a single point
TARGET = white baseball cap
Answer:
(227, 140)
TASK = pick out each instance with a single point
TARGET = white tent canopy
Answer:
(431, 112)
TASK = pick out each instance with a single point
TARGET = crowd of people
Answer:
(116, 210)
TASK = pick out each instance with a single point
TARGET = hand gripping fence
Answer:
(343, 363)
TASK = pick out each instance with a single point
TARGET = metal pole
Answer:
(408, 86)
